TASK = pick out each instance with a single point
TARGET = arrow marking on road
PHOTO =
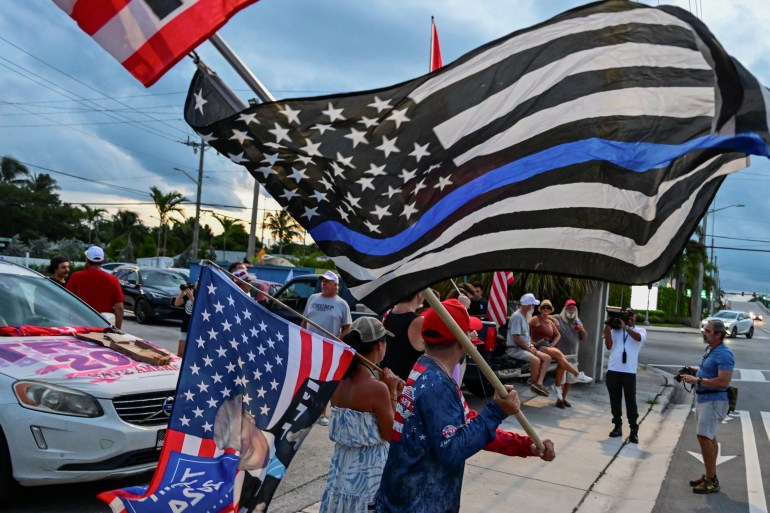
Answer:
(720, 459)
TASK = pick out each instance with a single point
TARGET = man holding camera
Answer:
(624, 340)
(711, 403)
(185, 298)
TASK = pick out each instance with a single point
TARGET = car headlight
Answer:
(55, 399)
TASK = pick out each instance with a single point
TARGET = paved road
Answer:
(744, 465)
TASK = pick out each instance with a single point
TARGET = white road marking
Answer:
(752, 375)
(756, 491)
(720, 459)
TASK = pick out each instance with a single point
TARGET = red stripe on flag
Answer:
(345, 359)
(497, 307)
(305, 359)
(326, 363)
(177, 38)
(91, 15)
(208, 448)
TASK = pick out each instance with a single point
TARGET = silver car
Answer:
(71, 410)
(736, 322)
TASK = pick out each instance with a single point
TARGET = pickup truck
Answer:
(296, 292)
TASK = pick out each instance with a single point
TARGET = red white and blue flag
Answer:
(497, 309)
(149, 36)
(252, 385)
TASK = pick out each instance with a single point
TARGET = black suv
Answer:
(149, 292)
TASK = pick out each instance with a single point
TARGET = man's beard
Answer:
(570, 316)
(529, 314)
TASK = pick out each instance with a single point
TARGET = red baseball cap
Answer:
(475, 324)
(570, 302)
(434, 329)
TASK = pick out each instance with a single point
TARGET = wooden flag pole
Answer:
(462, 337)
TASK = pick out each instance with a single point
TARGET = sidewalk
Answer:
(592, 473)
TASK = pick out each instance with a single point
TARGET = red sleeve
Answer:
(506, 442)
(118, 294)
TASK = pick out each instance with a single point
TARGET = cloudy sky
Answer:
(69, 109)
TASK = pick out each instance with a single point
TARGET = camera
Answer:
(685, 371)
(615, 315)
(184, 286)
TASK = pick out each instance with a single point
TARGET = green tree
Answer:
(165, 204)
(282, 227)
(93, 216)
(12, 171)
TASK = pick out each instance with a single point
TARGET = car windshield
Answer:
(724, 314)
(161, 279)
(37, 301)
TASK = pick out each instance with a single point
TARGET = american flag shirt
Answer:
(434, 432)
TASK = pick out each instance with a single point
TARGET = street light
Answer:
(713, 211)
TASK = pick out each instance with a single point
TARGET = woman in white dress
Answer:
(361, 423)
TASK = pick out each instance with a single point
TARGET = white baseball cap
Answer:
(95, 254)
(529, 299)
(331, 276)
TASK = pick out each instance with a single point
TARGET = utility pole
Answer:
(696, 311)
(197, 225)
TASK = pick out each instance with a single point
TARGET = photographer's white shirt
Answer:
(632, 350)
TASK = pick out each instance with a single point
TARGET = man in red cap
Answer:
(434, 431)
(572, 332)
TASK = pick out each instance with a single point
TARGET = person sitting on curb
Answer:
(435, 431)
(546, 336)
(520, 345)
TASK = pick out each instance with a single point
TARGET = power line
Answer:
(84, 84)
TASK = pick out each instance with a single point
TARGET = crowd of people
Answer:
(403, 412)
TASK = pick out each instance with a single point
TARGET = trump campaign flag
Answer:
(589, 145)
(251, 387)
(149, 36)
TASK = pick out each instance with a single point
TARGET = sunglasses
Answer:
(546, 308)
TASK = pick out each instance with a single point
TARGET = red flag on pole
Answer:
(498, 297)
(149, 36)
(435, 49)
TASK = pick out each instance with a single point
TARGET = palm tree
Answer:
(93, 215)
(125, 228)
(282, 227)
(228, 223)
(43, 184)
(165, 204)
(12, 171)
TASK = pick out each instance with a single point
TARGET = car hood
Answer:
(163, 291)
(85, 366)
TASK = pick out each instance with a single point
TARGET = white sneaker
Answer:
(557, 391)
(582, 378)
(323, 420)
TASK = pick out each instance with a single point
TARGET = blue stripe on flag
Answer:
(634, 156)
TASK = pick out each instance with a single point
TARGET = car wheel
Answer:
(142, 311)
(7, 484)
(750, 333)
(734, 333)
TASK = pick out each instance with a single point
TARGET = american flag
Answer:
(497, 308)
(589, 145)
(149, 36)
(245, 373)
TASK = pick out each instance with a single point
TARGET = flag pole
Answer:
(362, 359)
(253, 82)
(462, 337)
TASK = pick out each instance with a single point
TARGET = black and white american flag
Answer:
(589, 145)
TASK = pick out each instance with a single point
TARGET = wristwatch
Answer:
(699, 380)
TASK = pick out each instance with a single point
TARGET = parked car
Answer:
(149, 292)
(755, 316)
(71, 410)
(296, 292)
(736, 322)
(111, 266)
